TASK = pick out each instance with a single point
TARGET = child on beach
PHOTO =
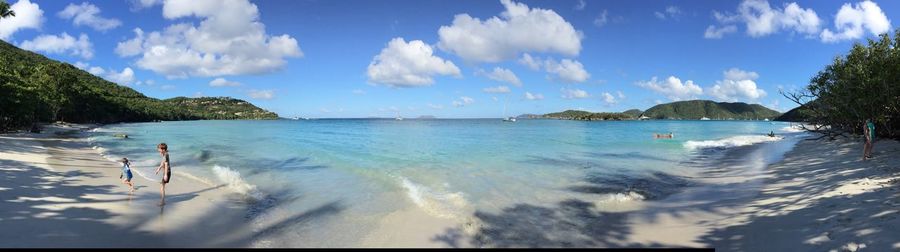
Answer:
(126, 173)
(167, 171)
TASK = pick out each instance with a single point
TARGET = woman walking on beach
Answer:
(167, 171)
(869, 132)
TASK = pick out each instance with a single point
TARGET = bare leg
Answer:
(162, 194)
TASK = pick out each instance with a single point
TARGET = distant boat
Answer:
(767, 119)
(704, 118)
(295, 118)
(505, 118)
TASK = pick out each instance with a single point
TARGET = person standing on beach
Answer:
(869, 132)
(167, 171)
(126, 174)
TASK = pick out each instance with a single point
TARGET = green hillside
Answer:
(696, 109)
(34, 89)
(633, 112)
(587, 116)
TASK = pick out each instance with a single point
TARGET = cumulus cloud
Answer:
(261, 94)
(125, 77)
(137, 5)
(463, 101)
(501, 75)
(88, 14)
(672, 88)
(852, 21)
(222, 82)
(566, 70)
(518, 29)
(580, 5)
(230, 40)
(28, 16)
(497, 89)
(533, 97)
(412, 64)
(63, 43)
(574, 93)
(762, 20)
(737, 85)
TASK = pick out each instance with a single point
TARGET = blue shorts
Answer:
(128, 176)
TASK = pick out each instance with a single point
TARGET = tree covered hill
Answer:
(34, 89)
(697, 109)
(587, 116)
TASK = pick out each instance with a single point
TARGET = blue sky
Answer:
(464, 58)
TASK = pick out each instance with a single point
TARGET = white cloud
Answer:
(463, 101)
(222, 82)
(497, 89)
(737, 85)
(412, 64)
(167, 87)
(98, 71)
(518, 29)
(533, 97)
(88, 14)
(359, 92)
(852, 21)
(125, 77)
(671, 11)
(762, 20)
(602, 19)
(28, 16)
(672, 88)
(580, 6)
(609, 98)
(566, 70)
(501, 75)
(261, 94)
(716, 33)
(531, 62)
(63, 43)
(620, 94)
(574, 93)
(230, 40)
(433, 106)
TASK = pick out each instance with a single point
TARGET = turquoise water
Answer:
(446, 168)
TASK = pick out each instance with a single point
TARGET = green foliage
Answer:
(697, 109)
(36, 89)
(633, 112)
(5, 12)
(864, 84)
(587, 116)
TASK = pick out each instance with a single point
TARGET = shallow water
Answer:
(348, 173)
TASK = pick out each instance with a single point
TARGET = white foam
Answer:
(440, 204)
(729, 142)
(795, 128)
(622, 197)
(235, 182)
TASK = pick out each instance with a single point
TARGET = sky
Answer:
(451, 59)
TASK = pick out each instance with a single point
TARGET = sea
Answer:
(362, 170)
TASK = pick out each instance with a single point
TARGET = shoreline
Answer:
(818, 196)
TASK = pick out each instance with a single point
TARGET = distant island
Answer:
(37, 89)
(680, 110)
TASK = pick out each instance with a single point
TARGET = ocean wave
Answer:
(729, 142)
(235, 182)
(440, 204)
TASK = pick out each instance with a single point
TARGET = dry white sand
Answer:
(56, 191)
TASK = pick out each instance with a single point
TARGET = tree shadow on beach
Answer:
(806, 215)
(570, 224)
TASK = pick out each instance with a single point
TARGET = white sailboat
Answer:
(398, 118)
(505, 118)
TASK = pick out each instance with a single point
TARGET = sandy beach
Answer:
(58, 192)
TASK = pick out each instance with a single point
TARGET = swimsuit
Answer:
(871, 127)
(127, 172)
(165, 179)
